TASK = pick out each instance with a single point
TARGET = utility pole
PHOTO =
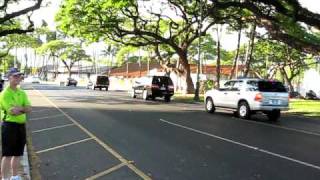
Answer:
(196, 93)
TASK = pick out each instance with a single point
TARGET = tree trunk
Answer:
(218, 66)
(186, 71)
(286, 79)
(235, 61)
(249, 60)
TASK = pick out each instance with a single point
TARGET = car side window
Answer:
(228, 85)
(252, 86)
(237, 86)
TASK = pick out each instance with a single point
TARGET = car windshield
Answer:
(267, 86)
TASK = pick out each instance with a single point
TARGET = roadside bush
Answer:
(206, 85)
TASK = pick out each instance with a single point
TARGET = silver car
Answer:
(247, 96)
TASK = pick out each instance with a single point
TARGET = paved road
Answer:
(79, 133)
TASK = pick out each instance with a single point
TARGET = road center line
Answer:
(45, 117)
(56, 127)
(243, 145)
(64, 145)
(105, 146)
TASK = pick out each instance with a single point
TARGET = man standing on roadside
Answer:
(14, 105)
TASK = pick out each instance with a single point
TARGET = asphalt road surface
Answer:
(84, 134)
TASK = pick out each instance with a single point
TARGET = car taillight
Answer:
(155, 86)
(171, 87)
(258, 97)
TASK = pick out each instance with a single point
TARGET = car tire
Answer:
(210, 108)
(133, 94)
(244, 110)
(145, 95)
(107, 88)
(167, 98)
(273, 115)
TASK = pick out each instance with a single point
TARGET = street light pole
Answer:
(196, 94)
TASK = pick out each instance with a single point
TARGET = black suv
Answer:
(72, 82)
(99, 82)
(152, 87)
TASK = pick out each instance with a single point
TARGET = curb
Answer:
(25, 165)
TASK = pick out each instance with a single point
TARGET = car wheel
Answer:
(244, 110)
(167, 98)
(133, 94)
(210, 105)
(145, 95)
(273, 115)
(106, 88)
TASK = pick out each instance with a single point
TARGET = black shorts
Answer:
(13, 138)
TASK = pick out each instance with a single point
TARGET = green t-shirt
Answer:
(9, 99)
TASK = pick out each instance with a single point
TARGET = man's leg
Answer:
(5, 166)
(15, 162)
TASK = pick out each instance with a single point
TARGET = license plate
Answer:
(162, 88)
(274, 102)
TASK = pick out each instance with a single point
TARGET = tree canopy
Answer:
(9, 18)
(175, 25)
(285, 20)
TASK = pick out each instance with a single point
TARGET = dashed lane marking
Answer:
(64, 145)
(105, 146)
(52, 128)
(45, 117)
(243, 145)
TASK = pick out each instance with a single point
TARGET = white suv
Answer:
(247, 96)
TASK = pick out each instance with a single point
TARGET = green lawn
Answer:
(186, 98)
(305, 107)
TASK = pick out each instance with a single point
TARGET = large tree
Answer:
(9, 17)
(270, 57)
(284, 20)
(73, 53)
(134, 22)
(68, 53)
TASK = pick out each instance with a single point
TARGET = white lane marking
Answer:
(56, 127)
(64, 145)
(46, 117)
(280, 127)
(243, 145)
(108, 171)
(105, 146)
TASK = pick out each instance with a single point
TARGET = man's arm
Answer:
(26, 109)
(20, 110)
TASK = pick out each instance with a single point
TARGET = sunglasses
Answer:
(17, 76)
